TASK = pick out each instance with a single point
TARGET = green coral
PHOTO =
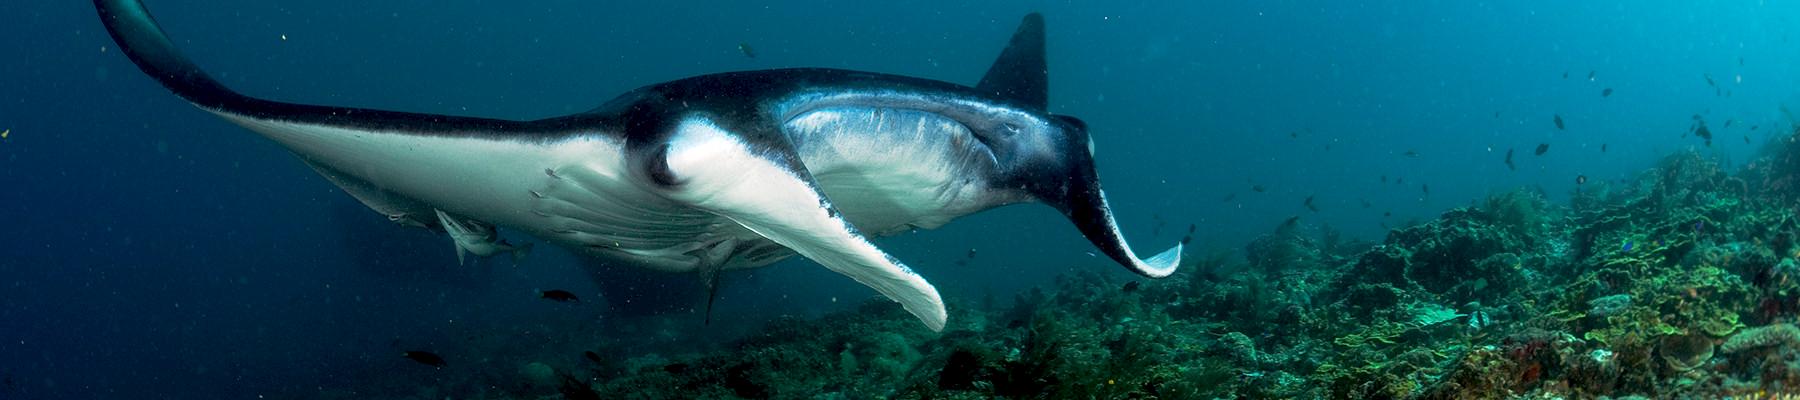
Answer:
(1785, 335)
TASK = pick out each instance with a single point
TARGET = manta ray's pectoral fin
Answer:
(759, 183)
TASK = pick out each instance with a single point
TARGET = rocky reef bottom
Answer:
(1681, 283)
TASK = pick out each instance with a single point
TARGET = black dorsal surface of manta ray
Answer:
(710, 173)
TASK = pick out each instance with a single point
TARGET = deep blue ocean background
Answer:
(149, 249)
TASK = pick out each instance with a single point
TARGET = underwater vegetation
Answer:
(1681, 283)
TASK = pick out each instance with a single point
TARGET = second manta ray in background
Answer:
(709, 173)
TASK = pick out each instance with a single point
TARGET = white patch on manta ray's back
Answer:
(719, 172)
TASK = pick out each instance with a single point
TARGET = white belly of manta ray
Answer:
(887, 170)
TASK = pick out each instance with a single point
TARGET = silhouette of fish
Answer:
(1541, 149)
(1701, 131)
(425, 357)
(1606, 92)
(1509, 162)
(560, 295)
(1558, 120)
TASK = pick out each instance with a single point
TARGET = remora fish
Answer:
(714, 172)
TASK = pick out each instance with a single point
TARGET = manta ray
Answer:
(704, 174)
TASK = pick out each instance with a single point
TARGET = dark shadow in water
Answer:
(637, 292)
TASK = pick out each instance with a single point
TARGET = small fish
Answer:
(591, 356)
(1192, 228)
(1410, 153)
(1131, 286)
(747, 50)
(1387, 213)
(1603, 147)
(1541, 149)
(425, 357)
(1581, 179)
(560, 295)
(1709, 80)
(1400, 180)
(1626, 247)
(1558, 120)
(1728, 122)
(1425, 188)
(1590, 76)
(1607, 92)
(1701, 131)
(1294, 134)
(971, 253)
(1258, 188)
(1753, 127)
(5, 133)
(1309, 204)
(1290, 222)
(1699, 225)
(1496, 114)
(1509, 162)
(1565, 74)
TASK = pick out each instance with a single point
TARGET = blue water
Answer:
(150, 249)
